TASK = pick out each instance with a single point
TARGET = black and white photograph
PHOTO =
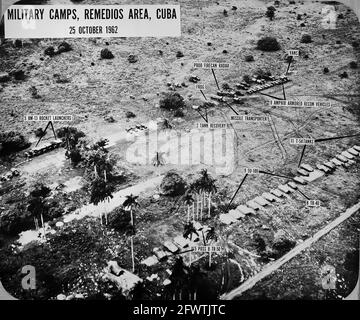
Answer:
(179, 151)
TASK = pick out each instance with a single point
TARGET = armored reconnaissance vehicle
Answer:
(279, 81)
(46, 147)
(217, 98)
(224, 93)
(242, 86)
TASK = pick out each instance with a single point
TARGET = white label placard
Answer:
(200, 86)
(293, 53)
(302, 141)
(49, 117)
(313, 203)
(85, 21)
(211, 65)
(214, 126)
(207, 248)
(299, 103)
(250, 118)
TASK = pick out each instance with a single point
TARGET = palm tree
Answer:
(131, 202)
(100, 190)
(208, 185)
(97, 158)
(178, 277)
(188, 200)
(37, 205)
(166, 124)
(158, 160)
(38, 208)
(270, 13)
(211, 235)
(189, 230)
(205, 183)
(210, 188)
(197, 188)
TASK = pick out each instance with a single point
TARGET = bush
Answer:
(34, 92)
(12, 142)
(71, 134)
(270, 13)
(280, 247)
(109, 119)
(353, 65)
(75, 156)
(19, 74)
(247, 78)
(179, 113)
(249, 58)
(225, 86)
(306, 38)
(262, 74)
(326, 70)
(268, 44)
(106, 54)
(119, 220)
(55, 211)
(18, 43)
(179, 54)
(173, 184)
(14, 221)
(64, 47)
(40, 190)
(50, 51)
(130, 114)
(282, 244)
(355, 44)
(132, 58)
(172, 101)
(39, 132)
(260, 243)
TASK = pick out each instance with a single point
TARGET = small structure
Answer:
(123, 279)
